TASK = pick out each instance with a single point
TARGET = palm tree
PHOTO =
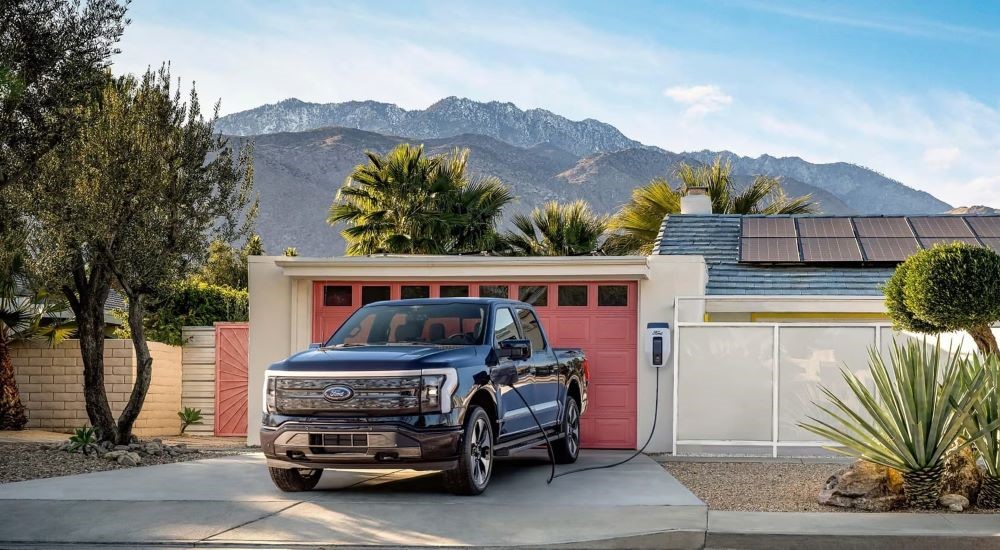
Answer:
(21, 319)
(555, 229)
(406, 202)
(637, 224)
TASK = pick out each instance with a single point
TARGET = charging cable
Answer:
(548, 443)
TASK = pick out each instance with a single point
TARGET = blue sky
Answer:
(909, 89)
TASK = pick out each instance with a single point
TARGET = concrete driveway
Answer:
(231, 502)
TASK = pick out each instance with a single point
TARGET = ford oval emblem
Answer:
(338, 393)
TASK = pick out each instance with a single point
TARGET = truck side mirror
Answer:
(515, 350)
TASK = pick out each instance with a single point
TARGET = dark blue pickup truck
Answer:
(423, 384)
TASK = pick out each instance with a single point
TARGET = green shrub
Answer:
(188, 304)
(947, 288)
(189, 416)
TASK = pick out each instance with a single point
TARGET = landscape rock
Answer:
(121, 447)
(864, 486)
(130, 459)
(113, 455)
(953, 502)
(155, 449)
(961, 475)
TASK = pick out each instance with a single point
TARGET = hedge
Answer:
(192, 304)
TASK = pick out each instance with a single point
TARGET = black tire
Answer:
(475, 460)
(567, 449)
(293, 480)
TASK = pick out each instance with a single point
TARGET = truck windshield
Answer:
(445, 324)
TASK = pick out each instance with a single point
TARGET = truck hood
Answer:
(363, 358)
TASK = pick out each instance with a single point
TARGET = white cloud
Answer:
(701, 99)
(941, 158)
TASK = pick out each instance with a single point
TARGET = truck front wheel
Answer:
(294, 480)
(567, 449)
(475, 461)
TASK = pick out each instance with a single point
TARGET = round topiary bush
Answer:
(945, 288)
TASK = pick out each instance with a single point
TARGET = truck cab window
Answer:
(532, 330)
(504, 327)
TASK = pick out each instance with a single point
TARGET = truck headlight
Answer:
(436, 388)
(269, 391)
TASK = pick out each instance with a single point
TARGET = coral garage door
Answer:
(599, 317)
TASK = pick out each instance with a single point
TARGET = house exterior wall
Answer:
(50, 381)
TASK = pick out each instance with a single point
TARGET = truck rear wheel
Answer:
(475, 461)
(292, 480)
(567, 449)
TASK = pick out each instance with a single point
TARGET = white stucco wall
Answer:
(271, 331)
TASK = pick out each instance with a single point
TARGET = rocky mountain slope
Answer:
(976, 210)
(304, 152)
(451, 116)
(862, 189)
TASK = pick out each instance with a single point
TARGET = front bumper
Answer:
(345, 446)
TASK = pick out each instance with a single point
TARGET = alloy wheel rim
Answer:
(481, 457)
(573, 429)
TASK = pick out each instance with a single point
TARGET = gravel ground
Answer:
(23, 461)
(761, 487)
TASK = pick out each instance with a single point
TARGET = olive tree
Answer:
(133, 202)
(948, 288)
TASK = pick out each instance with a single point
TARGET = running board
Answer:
(524, 443)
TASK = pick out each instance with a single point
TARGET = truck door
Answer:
(514, 413)
(544, 368)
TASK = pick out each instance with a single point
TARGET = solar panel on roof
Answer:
(755, 249)
(825, 227)
(991, 242)
(830, 249)
(768, 227)
(929, 242)
(882, 227)
(941, 226)
(985, 226)
(888, 249)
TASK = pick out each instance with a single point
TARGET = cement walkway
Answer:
(231, 502)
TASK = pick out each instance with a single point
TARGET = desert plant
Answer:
(634, 229)
(408, 203)
(917, 412)
(946, 288)
(556, 229)
(984, 419)
(83, 440)
(189, 416)
(290, 251)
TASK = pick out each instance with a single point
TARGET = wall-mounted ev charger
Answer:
(657, 344)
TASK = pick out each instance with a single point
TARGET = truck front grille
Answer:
(395, 395)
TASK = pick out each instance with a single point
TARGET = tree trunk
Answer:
(88, 306)
(11, 409)
(143, 369)
(985, 340)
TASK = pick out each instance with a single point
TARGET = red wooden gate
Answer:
(231, 361)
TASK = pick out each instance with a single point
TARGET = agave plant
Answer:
(84, 440)
(188, 416)
(984, 419)
(920, 406)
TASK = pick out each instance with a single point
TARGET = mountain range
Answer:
(303, 153)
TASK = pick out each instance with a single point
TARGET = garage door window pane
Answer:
(454, 291)
(494, 291)
(573, 295)
(537, 296)
(409, 292)
(612, 295)
(335, 296)
(371, 294)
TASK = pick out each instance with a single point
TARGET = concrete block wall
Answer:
(51, 384)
